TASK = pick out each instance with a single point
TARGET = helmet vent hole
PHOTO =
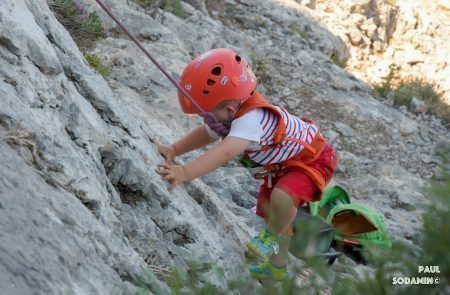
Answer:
(216, 71)
(210, 82)
(238, 59)
(205, 92)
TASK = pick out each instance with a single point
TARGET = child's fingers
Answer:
(162, 150)
(163, 169)
(164, 165)
(169, 176)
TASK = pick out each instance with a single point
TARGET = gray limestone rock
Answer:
(418, 106)
(82, 209)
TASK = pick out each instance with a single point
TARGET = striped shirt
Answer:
(268, 121)
(259, 126)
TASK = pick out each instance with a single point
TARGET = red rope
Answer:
(139, 44)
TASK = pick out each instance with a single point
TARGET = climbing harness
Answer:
(300, 161)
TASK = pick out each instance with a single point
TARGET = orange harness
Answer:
(306, 156)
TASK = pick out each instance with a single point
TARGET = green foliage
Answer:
(247, 162)
(388, 82)
(173, 6)
(415, 87)
(338, 61)
(145, 3)
(97, 64)
(404, 90)
(297, 30)
(85, 27)
(146, 283)
(194, 280)
(437, 219)
(425, 91)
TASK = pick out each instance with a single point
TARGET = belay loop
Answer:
(218, 127)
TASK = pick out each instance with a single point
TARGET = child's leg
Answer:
(282, 211)
(279, 207)
(281, 258)
(282, 214)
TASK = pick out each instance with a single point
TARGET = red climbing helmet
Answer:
(215, 76)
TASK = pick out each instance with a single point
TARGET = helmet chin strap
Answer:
(209, 117)
(220, 128)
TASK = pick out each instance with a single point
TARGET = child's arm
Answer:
(228, 149)
(195, 139)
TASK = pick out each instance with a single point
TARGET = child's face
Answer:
(225, 113)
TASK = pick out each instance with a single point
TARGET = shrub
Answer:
(173, 6)
(425, 91)
(338, 61)
(85, 27)
(404, 90)
(97, 64)
(149, 4)
(387, 84)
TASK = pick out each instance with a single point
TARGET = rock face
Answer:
(81, 207)
(378, 33)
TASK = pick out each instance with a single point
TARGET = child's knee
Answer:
(281, 198)
(282, 204)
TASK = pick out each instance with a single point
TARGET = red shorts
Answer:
(297, 184)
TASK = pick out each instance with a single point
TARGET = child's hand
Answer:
(167, 152)
(174, 174)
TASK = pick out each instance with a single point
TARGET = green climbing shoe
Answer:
(264, 245)
(264, 270)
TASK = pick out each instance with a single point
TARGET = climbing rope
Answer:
(210, 119)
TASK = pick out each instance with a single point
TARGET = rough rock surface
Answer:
(81, 207)
(378, 33)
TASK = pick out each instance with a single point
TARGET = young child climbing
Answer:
(296, 160)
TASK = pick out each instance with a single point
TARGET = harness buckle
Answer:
(261, 174)
(269, 170)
